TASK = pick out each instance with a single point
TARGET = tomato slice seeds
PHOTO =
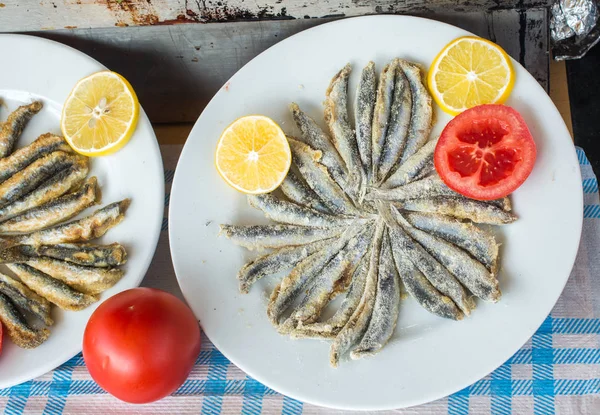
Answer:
(486, 152)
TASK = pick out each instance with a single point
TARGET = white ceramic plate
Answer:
(428, 357)
(36, 68)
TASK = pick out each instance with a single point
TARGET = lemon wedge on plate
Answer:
(470, 71)
(100, 114)
(253, 155)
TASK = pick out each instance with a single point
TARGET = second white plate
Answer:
(46, 70)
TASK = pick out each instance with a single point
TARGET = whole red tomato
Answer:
(141, 344)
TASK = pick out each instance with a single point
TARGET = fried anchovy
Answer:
(26, 180)
(286, 212)
(428, 187)
(312, 135)
(427, 170)
(55, 211)
(276, 261)
(26, 299)
(396, 135)
(88, 255)
(462, 208)
(331, 327)
(439, 276)
(80, 230)
(364, 108)
(414, 166)
(18, 330)
(356, 326)
(479, 243)
(275, 236)
(87, 280)
(294, 188)
(421, 119)
(419, 287)
(23, 157)
(381, 115)
(53, 290)
(14, 125)
(385, 311)
(317, 177)
(52, 188)
(323, 285)
(342, 134)
(470, 272)
(289, 288)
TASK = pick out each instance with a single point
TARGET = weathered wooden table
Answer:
(178, 53)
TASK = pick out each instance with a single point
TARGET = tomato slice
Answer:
(486, 152)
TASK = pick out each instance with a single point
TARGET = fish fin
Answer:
(94, 182)
(124, 204)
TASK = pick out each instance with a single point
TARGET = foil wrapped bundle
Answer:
(574, 28)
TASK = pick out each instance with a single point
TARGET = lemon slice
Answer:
(100, 114)
(470, 71)
(253, 155)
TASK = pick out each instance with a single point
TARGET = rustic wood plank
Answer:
(176, 134)
(559, 91)
(177, 69)
(19, 15)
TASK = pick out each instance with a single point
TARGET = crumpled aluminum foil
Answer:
(574, 28)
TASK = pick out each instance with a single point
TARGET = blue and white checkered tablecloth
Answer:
(556, 372)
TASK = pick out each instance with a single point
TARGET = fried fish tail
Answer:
(14, 125)
(18, 330)
(26, 298)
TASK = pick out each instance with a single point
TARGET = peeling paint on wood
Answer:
(19, 15)
(177, 69)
